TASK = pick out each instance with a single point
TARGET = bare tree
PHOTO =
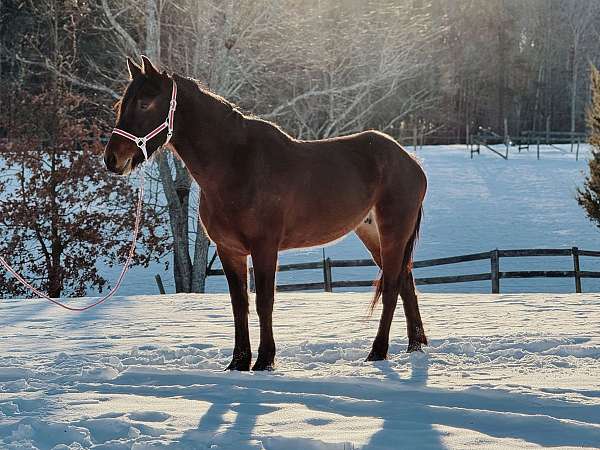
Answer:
(579, 16)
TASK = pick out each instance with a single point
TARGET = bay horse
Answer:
(264, 191)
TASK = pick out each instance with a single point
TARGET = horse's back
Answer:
(373, 152)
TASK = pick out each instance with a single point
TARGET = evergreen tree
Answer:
(589, 196)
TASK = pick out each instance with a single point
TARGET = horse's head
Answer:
(143, 107)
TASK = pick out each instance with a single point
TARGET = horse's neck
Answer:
(205, 135)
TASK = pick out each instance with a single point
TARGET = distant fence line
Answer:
(494, 275)
(486, 138)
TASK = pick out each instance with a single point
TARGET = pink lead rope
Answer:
(141, 143)
(114, 290)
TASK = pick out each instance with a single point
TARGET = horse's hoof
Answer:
(262, 365)
(414, 347)
(376, 356)
(240, 364)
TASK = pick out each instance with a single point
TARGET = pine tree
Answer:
(589, 196)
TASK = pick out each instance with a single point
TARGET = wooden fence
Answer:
(530, 137)
(487, 138)
(494, 275)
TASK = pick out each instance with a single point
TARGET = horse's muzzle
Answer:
(110, 161)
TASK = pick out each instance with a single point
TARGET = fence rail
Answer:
(494, 275)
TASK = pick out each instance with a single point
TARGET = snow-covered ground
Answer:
(509, 371)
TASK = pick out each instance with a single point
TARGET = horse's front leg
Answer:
(264, 261)
(235, 267)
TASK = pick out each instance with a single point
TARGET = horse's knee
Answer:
(406, 282)
(389, 294)
(264, 307)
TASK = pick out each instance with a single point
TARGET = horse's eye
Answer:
(144, 105)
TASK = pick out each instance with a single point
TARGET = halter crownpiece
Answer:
(168, 124)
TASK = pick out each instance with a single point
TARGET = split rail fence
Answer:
(494, 275)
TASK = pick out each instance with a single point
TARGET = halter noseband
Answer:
(168, 124)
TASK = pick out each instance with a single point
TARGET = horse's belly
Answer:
(314, 233)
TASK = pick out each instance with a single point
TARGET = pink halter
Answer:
(168, 124)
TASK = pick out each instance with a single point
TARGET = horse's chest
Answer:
(226, 223)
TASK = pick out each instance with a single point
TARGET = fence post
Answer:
(576, 270)
(415, 138)
(577, 153)
(159, 283)
(506, 136)
(572, 139)
(495, 270)
(538, 147)
(252, 282)
(327, 275)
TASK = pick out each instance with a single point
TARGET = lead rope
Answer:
(126, 266)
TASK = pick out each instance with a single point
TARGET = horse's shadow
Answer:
(410, 410)
(389, 435)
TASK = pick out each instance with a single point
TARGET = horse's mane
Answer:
(230, 107)
(196, 87)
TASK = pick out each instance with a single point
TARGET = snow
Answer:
(146, 372)
(505, 371)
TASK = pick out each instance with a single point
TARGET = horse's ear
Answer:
(133, 68)
(148, 69)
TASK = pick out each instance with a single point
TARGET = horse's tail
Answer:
(407, 261)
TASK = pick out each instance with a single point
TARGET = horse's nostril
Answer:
(110, 160)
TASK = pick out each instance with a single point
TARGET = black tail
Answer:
(407, 261)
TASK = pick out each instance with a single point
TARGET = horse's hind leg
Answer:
(414, 325)
(397, 232)
(391, 267)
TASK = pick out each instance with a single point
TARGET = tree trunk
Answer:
(502, 66)
(188, 277)
(177, 192)
(574, 67)
(200, 260)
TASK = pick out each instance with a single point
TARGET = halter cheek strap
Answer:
(168, 124)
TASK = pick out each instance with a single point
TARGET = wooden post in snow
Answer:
(495, 271)
(415, 137)
(506, 137)
(327, 275)
(159, 283)
(576, 270)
